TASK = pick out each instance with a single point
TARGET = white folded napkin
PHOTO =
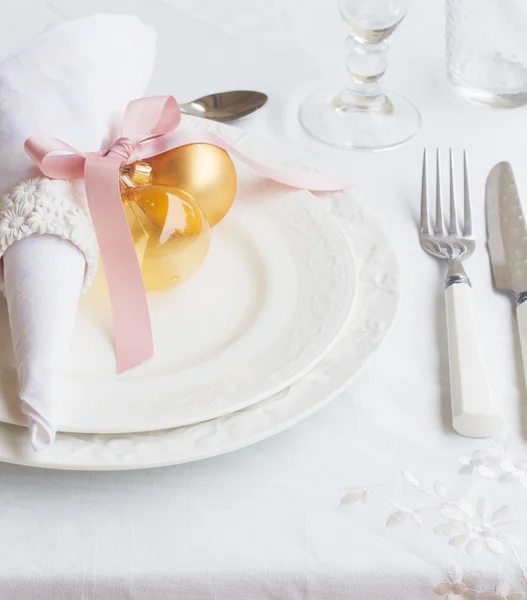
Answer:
(73, 83)
(42, 304)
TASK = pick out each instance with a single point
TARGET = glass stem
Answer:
(366, 64)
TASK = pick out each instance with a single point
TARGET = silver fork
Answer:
(474, 412)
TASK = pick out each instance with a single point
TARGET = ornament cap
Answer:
(138, 174)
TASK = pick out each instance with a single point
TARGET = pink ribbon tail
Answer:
(309, 180)
(131, 319)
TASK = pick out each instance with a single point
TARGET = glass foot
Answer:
(327, 117)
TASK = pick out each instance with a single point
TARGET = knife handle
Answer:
(474, 412)
(521, 317)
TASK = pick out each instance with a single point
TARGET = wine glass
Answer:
(361, 116)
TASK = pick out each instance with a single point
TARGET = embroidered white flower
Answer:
(474, 533)
(470, 527)
(483, 461)
(459, 588)
(502, 592)
(492, 462)
(13, 223)
(456, 588)
(466, 527)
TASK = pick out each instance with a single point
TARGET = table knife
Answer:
(507, 242)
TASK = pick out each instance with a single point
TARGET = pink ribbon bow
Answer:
(149, 128)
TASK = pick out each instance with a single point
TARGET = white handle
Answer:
(521, 315)
(474, 411)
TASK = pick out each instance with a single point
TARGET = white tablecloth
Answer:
(266, 522)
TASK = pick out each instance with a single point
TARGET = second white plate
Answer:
(263, 310)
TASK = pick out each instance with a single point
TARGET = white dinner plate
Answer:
(374, 309)
(373, 312)
(266, 307)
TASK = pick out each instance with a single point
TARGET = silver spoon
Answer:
(225, 106)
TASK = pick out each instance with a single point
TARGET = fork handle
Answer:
(474, 411)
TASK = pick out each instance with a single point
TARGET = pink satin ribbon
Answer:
(149, 128)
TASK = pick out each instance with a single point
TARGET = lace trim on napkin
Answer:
(52, 206)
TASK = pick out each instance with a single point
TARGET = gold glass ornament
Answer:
(169, 230)
(204, 171)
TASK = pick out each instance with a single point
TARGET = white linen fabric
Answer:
(49, 254)
(73, 82)
(266, 523)
(43, 275)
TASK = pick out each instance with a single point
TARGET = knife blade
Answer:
(507, 243)
(507, 231)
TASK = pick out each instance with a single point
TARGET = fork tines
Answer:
(438, 228)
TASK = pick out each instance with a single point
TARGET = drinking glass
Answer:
(362, 116)
(486, 50)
